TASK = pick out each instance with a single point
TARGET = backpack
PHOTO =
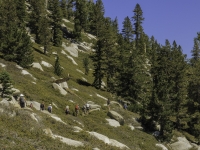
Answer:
(21, 100)
(76, 107)
(49, 109)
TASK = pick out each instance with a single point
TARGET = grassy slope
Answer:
(21, 132)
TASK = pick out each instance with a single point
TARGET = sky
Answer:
(177, 20)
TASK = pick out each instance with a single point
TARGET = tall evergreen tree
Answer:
(56, 23)
(63, 5)
(57, 67)
(97, 19)
(5, 81)
(127, 30)
(138, 19)
(45, 33)
(81, 15)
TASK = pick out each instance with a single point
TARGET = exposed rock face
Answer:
(64, 85)
(113, 123)
(161, 146)
(61, 90)
(181, 144)
(72, 49)
(94, 106)
(46, 64)
(37, 65)
(116, 116)
(24, 72)
(106, 140)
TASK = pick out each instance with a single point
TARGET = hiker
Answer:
(22, 101)
(125, 106)
(49, 108)
(87, 108)
(84, 109)
(31, 105)
(76, 110)
(67, 110)
(108, 104)
(42, 106)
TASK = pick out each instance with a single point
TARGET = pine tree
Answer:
(195, 51)
(138, 18)
(86, 65)
(5, 81)
(57, 68)
(37, 11)
(45, 34)
(70, 12)
(15, 43)
(21, 12)
(127, 30)
(97, 19)
(63, 5)
(81, 16)
(56, 23)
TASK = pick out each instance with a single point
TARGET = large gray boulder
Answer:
(116, 116)
(94, 106)
(181, 144)
(58, 87)
(72, 49)
(37, 65)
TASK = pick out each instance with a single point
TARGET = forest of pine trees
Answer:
(160, 82)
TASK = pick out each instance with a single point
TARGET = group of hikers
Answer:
(85, 109)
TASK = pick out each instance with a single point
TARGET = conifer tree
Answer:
(56, 23)
(45, 33)
(15, 43)
(37, 12)
(86, 65)
(5, 81)
(127, 30)
(138, 19)
(21, 12)
(57, 68)
(97, 18)
(81, 15)
(63, 5)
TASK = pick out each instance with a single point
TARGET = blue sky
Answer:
(177, 20)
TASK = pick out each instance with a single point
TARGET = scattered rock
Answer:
(80, 71)
(64, 85)
(37, 65)
(132, 127)
(75, 89)
(181, 144)
(2, 65)
(19, 67)
(72, 49)
(77, 129)
(113, 123)
(24, 72)
(46, 64)
(84, 79)
(69, 141)
(101, 97)
(106, 140)
(61, 90)
(33, 117)
(72, 60)
(94, 106)
(116, 116)
(161, 146)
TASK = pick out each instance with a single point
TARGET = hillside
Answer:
(30, 128)
(50, 54)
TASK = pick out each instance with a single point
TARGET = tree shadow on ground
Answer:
(84, 83)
